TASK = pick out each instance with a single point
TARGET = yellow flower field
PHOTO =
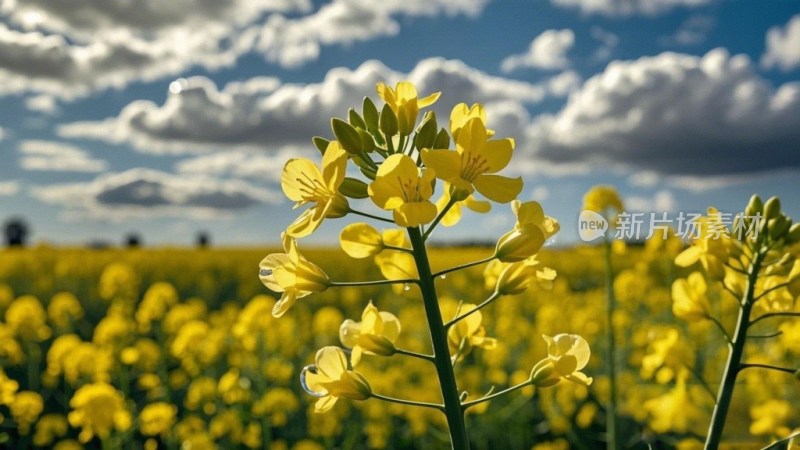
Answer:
(178, 348)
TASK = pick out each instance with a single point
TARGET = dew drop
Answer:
(265, 272)
(443, 276)
(406, 287)
(313, 369)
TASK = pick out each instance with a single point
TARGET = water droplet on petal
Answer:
(406, 287)
(313, 369)
(443, 276)
(265, 272)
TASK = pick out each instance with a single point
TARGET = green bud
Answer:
(370, 113)
(793, 234)
(442, 140)
(778, 227)
(321, 143)
(347, 136)
(367, 143)
(378, 345)
(426, 134)
(772, 208)
(355, 119)
(353, 188)
(754, 206)
(388, 121)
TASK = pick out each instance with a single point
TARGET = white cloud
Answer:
(564, 83)
(3, 133)
(547, 51)
(8, 188)
(149, 193)
(57, 157)
(608, 42)
(540, 193)
(69, 49)
(675, 114)
(623, 8)
(261, 114)
(292, 42)
(692, 31)
(662, 201)
(242, 164)
(783, 46)
(45, 104)
(643, 179)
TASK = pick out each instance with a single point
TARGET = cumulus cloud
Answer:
(8, 188)
(292, 42)
(242, 164)
(624, 8)
(262, 114)
(783, 46)
(57, 157)
(547, 51)
(661, 201)
(608, 42)
(675, 114)
(148, 193)
(69, 49)
(45, 104)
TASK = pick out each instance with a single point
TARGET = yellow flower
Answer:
(710, 246)
(666, 358)
(396, 264)
(48, 428)
(515, 278)
(567, 354)
(461, 114)
(603, 200)
(453, 216)
(530, 232)
(374, 335)
(675, 411)
(360, 240)
(64, 308)
(277, 404)
(689, 300)
(770, 418)
(98, 409)
(25, 409)
(400, 188)
(68, 444)
(8, 388)
(27, 317)
(157, 300)
(404, 103)
(468, 333)
(303, 182)
(329, 379)
(474, 163)
(292, 274)
(157, 419)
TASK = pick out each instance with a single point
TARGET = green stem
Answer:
(464, 266)
(403, 401)
(438, 219)
(371, 216)
(766, 366)
(495, 295)
(725, 393)
(721, 328)
(611, 408)
(400, 351)
(372, 282)
(398, 249)
(447, 379)
(505, 391)
(775, 314)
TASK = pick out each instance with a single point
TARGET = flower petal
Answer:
(498, 188)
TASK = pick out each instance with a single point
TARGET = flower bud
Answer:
(347, 136)
(353, 188)
(352, 385)
(793, 235)
(519, 244)
(388, 122)
(370, 113)
(367, 143)
(321, 143)
(378, 345)
(778, 227)
(426, 136)
(754, 206)
(355, 119)
(544, 374)
(442, 139)
(515, 279)
(772, 208)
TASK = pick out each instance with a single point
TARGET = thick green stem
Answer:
(732, 367)
(441, 354)
(611, 407)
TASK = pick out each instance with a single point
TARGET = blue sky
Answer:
(168, 118)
